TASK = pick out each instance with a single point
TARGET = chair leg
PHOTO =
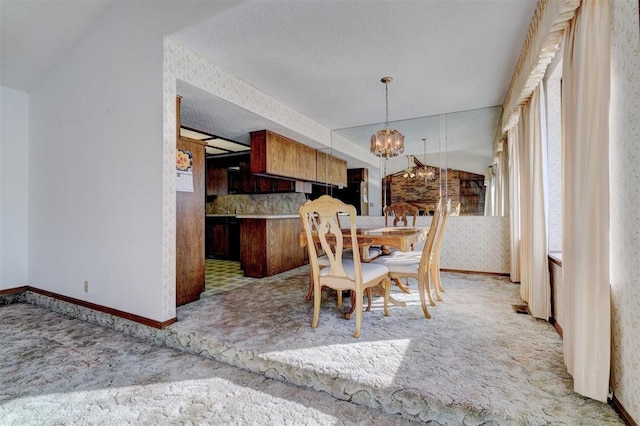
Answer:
(434, 282)
(423, 302)
(437, 268)
(310, 292)
(317, 295)
(387, 292)
(427, 288)
(359, 298)
(401, 286)
(367, 291)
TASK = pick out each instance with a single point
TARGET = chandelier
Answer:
(409, 173)
(387, 142)
(425, 172)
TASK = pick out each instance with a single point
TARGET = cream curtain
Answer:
(585, 138)
(544, 35)
(534, 269)
(513, 150)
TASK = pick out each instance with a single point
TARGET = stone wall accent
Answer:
(286, 203)
(462, 187)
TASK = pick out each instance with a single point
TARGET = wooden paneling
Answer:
(217, 180)
(330, 169)
(190, 210)
(273, 154)
(270, 246)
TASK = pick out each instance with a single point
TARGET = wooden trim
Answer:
(556, 261)
(196, 141)
(556, 325)
(14, 290)
(617, 406)
(461, 271)
(105, 309)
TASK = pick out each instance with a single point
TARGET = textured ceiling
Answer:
(325, 58)
(322, 58)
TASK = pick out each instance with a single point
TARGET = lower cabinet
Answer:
(223, 238)
(270, 246)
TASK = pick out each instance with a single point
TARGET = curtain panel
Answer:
(534, 267)
(585, 140)
(513, 150)
(545, 33)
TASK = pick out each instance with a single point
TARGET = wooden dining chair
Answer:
(320, 218)
(399, 211)
(323, 261)
(415, 264)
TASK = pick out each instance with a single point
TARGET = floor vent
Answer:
(521, 309)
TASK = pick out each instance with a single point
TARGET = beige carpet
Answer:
(60, 371)
(475, 361)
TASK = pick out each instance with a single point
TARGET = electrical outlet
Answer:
(86, 286)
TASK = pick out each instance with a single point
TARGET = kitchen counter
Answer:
(267, 216)
(255, 216)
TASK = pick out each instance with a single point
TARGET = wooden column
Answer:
(190, 209)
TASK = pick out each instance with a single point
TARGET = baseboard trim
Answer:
(15, 290)
(462, 271)
(100, 308)
(557, 326)
(622, 412)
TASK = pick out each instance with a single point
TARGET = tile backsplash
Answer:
(281, 203)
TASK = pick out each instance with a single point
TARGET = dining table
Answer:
(402, 238)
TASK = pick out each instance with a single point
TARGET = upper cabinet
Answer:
(273, 154)
(217, 179)
(330, 169)
(276, 155)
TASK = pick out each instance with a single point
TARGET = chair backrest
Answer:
(455, 212)
(322, 217)
(399, 211)
(427, 250)
(441, 228)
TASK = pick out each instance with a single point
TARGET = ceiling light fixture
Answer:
(387, 142)
(425, 172)
(409, 172)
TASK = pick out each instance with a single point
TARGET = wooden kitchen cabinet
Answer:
(276, 155)
(270, 246)
(257, 184)
(217, 180)
(330, 169)
(223, 238)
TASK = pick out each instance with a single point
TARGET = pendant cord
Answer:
(386, 97)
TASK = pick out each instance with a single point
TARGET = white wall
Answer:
(95, 189)
(624, 154)
(14, 153)
(471, 243)
(96, 184)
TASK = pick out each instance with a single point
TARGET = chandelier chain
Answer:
(386, 97)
